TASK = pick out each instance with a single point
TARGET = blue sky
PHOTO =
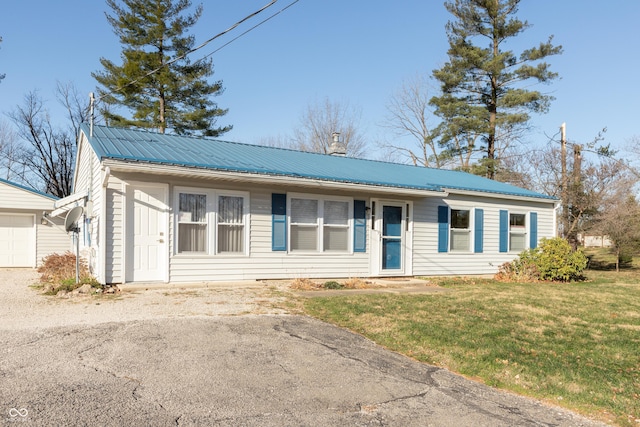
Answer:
(354, 52)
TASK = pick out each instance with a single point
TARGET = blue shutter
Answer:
(359, 226)
(504, 231)
(479, 231)
(443, 228)
(278, 222)
(533, 230)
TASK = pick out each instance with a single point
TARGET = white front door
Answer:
(147, 233)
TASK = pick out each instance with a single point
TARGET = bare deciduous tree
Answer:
(48, 153)
(279, 141)
(514, 170)
(408, 116)
(10, 166)
(620, 222)
(593, 183)
(633, 148)
(2, 76)
(320, 120)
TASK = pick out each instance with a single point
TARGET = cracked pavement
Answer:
(177, 357)
(255, 370)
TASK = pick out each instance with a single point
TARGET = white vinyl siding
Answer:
(114, 238)
(262, 262)
(428, 261)
(16, 198)
(258, 260)
(88, 182)
(51, 239)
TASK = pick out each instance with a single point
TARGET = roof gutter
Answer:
(502, 195)
(248, 177)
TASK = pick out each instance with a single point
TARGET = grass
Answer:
(576, 345)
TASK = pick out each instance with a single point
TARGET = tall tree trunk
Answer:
(162, 118)
(493, 112)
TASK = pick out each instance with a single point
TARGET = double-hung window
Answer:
(336, 226)
(304, 224)
(231, 227)
(460, 230)
(320, 225)
(192, 223)
(517, 232)
(211, 222)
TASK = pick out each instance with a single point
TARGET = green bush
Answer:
(556, 260)
(553, 260)
(333, 285)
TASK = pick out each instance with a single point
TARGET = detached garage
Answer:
(24, 240)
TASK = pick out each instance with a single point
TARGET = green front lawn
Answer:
(576, 345)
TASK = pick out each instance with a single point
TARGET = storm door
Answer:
(392, 234)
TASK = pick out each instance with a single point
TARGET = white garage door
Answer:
(17, 241)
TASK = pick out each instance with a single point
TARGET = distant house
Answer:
(167, 208)
(25, 238)
(594, 241)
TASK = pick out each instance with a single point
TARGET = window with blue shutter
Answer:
(478, 238)
(443, 228)
(359, 226)
(533, 230)
(504, 231)
(278, 222)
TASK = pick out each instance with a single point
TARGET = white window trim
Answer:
(320, 224)
(212, 221)
(469, 229)
(523, 231)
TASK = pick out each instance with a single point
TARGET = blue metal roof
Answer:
(150, 147)
(31, 190)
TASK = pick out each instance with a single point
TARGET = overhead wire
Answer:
(249, 30)
(206, 42)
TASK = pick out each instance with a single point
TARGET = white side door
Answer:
(147, 219)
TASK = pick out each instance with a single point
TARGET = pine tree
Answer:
(161, 88)
(483, 94)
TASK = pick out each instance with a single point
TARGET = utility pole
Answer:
(576, 190)
(563, 179)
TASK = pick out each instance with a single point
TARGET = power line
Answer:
(249, 30)
(202, 45)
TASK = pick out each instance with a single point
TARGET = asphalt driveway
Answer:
(240, 370)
